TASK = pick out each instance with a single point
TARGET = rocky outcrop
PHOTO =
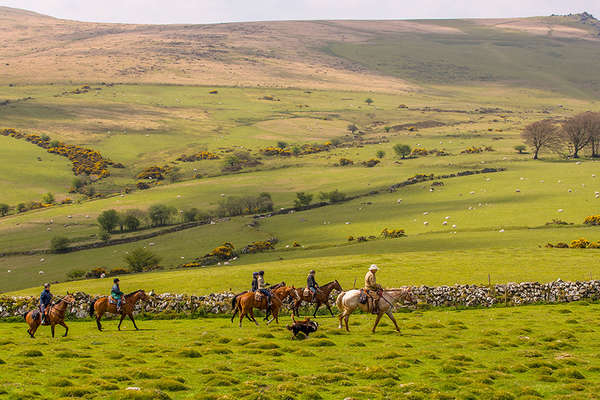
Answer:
(435, 296)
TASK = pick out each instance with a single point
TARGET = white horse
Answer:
(348, 301)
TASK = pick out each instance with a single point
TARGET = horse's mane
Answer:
(277, 286)
(132, 293)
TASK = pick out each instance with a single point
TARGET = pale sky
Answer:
(214, 11)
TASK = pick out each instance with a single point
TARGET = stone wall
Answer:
(435, 296)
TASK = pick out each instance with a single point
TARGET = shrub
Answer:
(418, 151)
(154, 172)
(96, 273)
(118, 271)
(352, 128)
(393, 233)
(140, 260)
(203, 155)
(345, 161)
(592, 220)
(190, 214)
(223, 252)
(78, 183)
(371, 163)
(3, 209)
(369, 100)
(59, 244)
(402, 150)
(48, 198)
(104, 235)
(303, 199)
(380, 153)
(580, 243)
(350, 238)
(276, 151)
(260, 246)
(282, 144)
(333, 197)
(108, 220)
(21, 207)
(160, 214)
(75, 274)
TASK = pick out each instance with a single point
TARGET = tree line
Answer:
(568, 138)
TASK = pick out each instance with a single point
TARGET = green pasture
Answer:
(545, 351)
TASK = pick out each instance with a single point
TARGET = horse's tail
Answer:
(91, 310)
(338, 301)
(25, 315)
(234, 301)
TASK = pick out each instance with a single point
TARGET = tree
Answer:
(190, 215)
(303, 199)
(369, 101)
(48, 198)
(108, 220)
(380, 154)
(4, 209)
(520, 148)
(333, 197)
(21, 207)
(593, 130)
(78, 183)
(131, 222)
(59, 244)
(141, 259)
(352, 128)
(160, 214)
(575, 134)
(539, 135)
(282, 144)
(402, 150)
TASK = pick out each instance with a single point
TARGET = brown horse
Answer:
(102, 305)
(55, 316)
(322, 297)
(246, 302)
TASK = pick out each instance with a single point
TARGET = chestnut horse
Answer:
(322, 297)
(55, 316)
(348, 301)
(101, 305)
(246, 302)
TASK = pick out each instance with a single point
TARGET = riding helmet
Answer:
(116, 280)
(261, 272)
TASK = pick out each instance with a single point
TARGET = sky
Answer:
(215, 11)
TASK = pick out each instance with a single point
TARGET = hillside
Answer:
(556, 53)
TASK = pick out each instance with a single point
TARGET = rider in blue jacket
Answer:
(45, 300)
(117, 294)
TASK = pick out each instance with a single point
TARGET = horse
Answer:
(102, 305)
(55, 316)
(245, 303)
(322, 297)
(348, 301)
(234, 300)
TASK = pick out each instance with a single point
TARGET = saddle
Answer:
(111, 300)
(258, 296)
(363, 297)
(307, 292)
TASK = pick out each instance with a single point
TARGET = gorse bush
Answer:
(393, 233)
(592, 220)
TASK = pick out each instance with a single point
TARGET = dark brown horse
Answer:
(322, 297)
(55, 316)
(102, 305)
(246, 302)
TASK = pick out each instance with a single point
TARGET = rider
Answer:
(116, 293)
(311, 284)
(262, 287)
(254, 281)
(45, 300)
(373, 288)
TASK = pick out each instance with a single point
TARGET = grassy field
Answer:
(500, 353)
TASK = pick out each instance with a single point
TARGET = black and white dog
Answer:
(307, 326)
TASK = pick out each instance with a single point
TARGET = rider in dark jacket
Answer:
(312, 284)
(254, 281)
(45, 300)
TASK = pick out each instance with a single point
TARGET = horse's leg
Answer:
(346, 318)
(242, 312)
(379, 315)
(66, 327)
(391, 315)
(316, 308)
(252, 315)
(52, 328)
(132, 320)
(340, 317)
(329, 308)
(120, 322)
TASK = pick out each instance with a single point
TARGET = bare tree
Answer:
(593, 130)
(541, 134)
(575, 133)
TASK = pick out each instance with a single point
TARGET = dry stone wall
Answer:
(436, 296)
